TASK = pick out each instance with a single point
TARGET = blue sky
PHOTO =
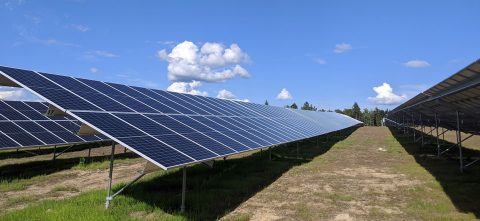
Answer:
(330, 53)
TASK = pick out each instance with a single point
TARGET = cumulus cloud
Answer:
(212, 62)
(284, 95)
(93, 70)
(187, 88)
(13, 93)
(341, 48)
(416, 64)
(224, 94)
(386, 96)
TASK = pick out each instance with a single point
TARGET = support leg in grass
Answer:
(184, 189)
(459, 142)
(110, 173)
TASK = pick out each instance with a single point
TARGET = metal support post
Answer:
(413, 127)
(436, 129)
(422, 129)
(459, 142)
(109, 191)
(298, 151)
(54, 152)
(184, 189)
(269, 153)
(89, 151)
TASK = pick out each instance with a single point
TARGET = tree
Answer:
(308, 106)
(356, 111)
(294, 106)
(266, 102)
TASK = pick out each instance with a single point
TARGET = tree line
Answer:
(371, 117)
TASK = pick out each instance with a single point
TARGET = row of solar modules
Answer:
(24, 124)
(173, 129)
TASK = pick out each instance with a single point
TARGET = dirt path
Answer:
(356, 179)
(68, 183)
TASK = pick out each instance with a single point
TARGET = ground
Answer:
(372, 173)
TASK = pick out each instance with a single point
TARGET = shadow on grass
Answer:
(213, 192)
(22, 153)
(44, 167)
(462, 189)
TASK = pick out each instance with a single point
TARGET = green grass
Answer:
(211, 193)
(102, 164)
(444, 193)
(21, 184)
(65, 189)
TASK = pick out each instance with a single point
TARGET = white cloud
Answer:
(93, 70)
(416, 64)
(386, 96)
(105, 54)
(284, 95)
(320, 61)
(13, 93)
(80, 28)
(187, 88)
(213, 62)
(224, 94)
(341, 48)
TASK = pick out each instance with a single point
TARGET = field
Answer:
(372, 173)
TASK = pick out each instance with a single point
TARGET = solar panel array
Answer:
(459, 92)
(24, 124)
(173, 129)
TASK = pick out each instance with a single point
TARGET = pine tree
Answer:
(266, 102)
(356, 111)
(294, 106)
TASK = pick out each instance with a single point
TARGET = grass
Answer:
(102, 164)
(22, 183)
(440, 192)
(65, 189)
(444, 193)
(211, 192)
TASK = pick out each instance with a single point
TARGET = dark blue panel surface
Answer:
(186, 146)
(18, 105)
(6, 142)
(192, 123)
(48, 138)
(12, 115)
(180, 101)
(156, 151)
(209, 123)
(110, 124)
(68, 100)
(33, 115)
(26, 139)
(235, 141)
(29, 78)
(163, 100)
(103, 102)
(171, 123)
(145, 124)
(209, 143)
(68, 136)
(39, 106)
(30, 126)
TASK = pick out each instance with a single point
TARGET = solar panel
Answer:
(24, 124)
(171, 129)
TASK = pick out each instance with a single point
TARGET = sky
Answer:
(329, 53)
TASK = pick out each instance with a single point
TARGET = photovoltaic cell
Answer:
(167, 128)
